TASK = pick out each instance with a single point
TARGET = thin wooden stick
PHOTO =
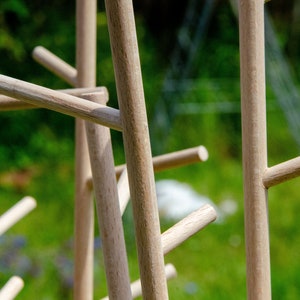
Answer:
(108, 210)
(16, 213)
(123, 191)
(130, 92)
(136, 287)
(252, 57)
(187, 227)
(12, 288)
(282, 172)
(175, 159)
(54, 64)
(60, 102)
(84, 211)
(9, 103)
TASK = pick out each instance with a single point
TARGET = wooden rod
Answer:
(108, 210)
(121, 26)
(136, 287)
(252, 64)
(123, 190)
(54, 64)
(175, 159)
(12, 288)
(60, 102)
(16, 213)
(9, 103)
(86, 11)
(187, 227)
(282, 172)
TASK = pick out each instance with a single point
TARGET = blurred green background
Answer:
(187, 105)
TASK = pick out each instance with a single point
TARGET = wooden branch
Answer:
(54, 64)
(175, 159)
(108, 210)
(9, 103)
(12, 288)
(136, 287)
(60, 102)
(16, 213)
(252, 65)
(282, 172)
(187, 227)
(123, 39)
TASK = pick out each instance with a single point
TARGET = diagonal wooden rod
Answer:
(9, 103)
(121, 26)
(252, 65)
(53, 63)
(282, 172)
(86, 11)
(60, 102)
(12, 288)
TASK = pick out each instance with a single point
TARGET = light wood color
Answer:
(16, 213)
(12, 288)
(86, 11)
(9, 103)
(187, 227)
(53, 63)
(282, 172)
(123, 191)
(60, 102)
(252, 58)
(108, 210)
(136, 287)
(123, 40)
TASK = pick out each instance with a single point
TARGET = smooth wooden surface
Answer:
(12, 288)
(16, 213)
(56, 65)
(252, 58)
(282, 172)
(136, 287)
(9, 103)
(86, 11)
(175, 159)
(187, 227)
(60, 102)
(121, 26)
(123, 191)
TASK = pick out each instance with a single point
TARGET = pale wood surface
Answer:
(282, 172)
(60, 102)
(16, 213)
(9, 103)
(123, 191)
(187, 227)
(136, 287)
(121, 25)
(86, 11)
(252, 58)
(108, 211)
(175, 159)
(12, 288)
(53, 63)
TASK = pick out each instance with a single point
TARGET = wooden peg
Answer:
(12, 288)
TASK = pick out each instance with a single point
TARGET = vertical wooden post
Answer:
(130, 92)
(251, 24)
(84, 212)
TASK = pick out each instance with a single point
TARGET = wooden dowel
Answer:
(175, 159)
(136, 287)
(86, 11)
(8, 103)
(16, 213)
(108, 211)
(252, 65)
(282, 172)
(187, 227)
(12, 288)
(123, 191)
(60, 102)
(54, 64)
(121, 26)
